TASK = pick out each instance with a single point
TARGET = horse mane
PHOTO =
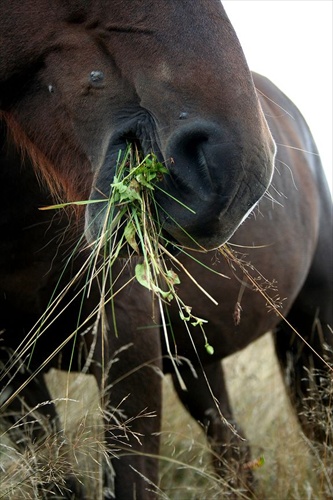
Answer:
(65, 182)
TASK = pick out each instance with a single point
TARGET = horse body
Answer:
(78, 82)
(287, 240)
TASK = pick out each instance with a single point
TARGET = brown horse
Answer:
(78, 82)
(288, 242)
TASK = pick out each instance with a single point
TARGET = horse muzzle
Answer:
(214, 180)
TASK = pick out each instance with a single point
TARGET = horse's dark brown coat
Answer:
(78, 80)
(288, 240)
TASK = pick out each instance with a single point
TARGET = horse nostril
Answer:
(190, 150)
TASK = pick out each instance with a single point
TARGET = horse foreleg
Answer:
(207, 400)
(131, 388)
(308, 372)
(308, 379)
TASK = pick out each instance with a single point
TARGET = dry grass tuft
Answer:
(76, 451)
(293, 468)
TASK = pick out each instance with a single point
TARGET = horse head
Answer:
(79, 81)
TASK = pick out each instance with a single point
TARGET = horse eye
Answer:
(50, 89)
(96, 77)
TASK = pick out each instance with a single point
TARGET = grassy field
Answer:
(292, 468)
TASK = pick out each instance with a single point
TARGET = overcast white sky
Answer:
(290, 42)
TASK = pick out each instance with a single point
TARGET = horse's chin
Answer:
(203, 241)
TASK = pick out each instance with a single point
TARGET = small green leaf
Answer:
(142, 274)
(134, 191)
(144, 180)
(130, 233)
(172, 277)
(166, 295)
